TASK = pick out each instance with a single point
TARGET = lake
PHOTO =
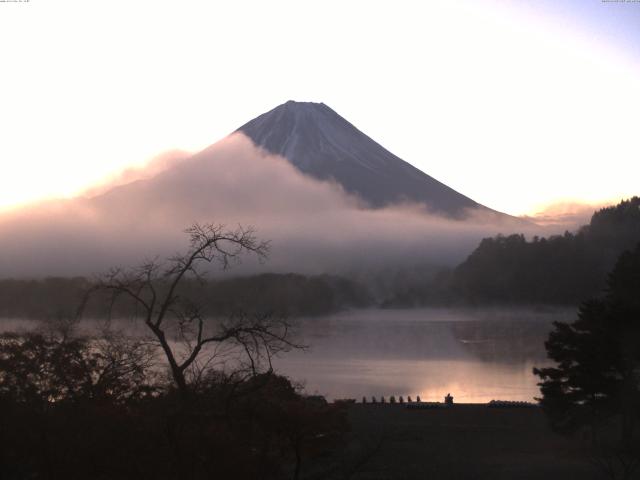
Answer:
(475, 354)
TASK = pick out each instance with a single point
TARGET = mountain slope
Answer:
(322, 144)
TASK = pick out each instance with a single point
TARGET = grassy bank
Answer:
(462, 442)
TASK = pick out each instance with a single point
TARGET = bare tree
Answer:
(154, 289)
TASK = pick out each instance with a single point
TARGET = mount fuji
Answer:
(322, 144)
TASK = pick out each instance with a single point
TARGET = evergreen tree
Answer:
(597, 376)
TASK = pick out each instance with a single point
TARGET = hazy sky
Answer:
(515, 104)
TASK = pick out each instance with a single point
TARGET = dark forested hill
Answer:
(563, 269)
(289, 295)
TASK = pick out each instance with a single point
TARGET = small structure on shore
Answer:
(425, 405)
(419, 404)
(510, 404)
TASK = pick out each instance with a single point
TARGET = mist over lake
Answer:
(475, 354)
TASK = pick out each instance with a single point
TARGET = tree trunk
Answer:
(176, 372)
(296, 448)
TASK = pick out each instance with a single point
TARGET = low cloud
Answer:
(567, 215)
(153, 167)
(314, 227)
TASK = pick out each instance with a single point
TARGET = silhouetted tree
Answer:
(66, 399)
(597, 376)
(155, 288)
(77, 408)
(41, 369)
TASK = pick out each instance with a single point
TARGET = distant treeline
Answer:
(289, 295)
(561, 269)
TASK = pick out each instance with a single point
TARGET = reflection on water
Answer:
(476, 355)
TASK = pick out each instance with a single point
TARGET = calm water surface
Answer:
(476, 355)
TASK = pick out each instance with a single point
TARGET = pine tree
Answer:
(597, 372)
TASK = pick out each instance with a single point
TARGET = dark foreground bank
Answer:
(462, 442)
